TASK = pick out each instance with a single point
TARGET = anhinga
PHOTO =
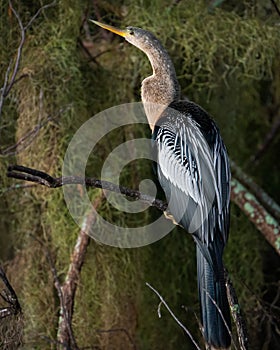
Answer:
(193, 170)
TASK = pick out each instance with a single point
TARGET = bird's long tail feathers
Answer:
(214, 307)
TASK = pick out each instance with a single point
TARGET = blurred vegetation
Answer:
(227, 60)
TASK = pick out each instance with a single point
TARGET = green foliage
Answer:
(209, 47)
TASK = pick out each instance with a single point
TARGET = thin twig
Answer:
(38, 13)
(22, 76)
(92, 58)
(174, 317)
(19, 50)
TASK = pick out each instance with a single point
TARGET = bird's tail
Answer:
(214, 307)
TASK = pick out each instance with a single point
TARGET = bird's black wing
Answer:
(193, 171)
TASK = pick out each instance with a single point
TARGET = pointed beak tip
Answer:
(93, 21)
(112, 29)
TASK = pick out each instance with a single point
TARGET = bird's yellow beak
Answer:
(120, 32)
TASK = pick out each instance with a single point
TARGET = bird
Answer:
(192, 167)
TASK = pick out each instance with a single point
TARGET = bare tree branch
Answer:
(19, 51)
(32, 175)
(23, 36)
(69, 287)
(44, 7)
(9, 83)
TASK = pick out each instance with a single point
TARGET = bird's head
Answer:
(162, 87)
(138, 37)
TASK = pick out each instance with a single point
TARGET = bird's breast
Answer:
(156, 94)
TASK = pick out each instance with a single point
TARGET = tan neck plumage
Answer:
(161, 88)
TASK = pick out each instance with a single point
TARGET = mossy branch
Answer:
(260, 194)
(256, 213)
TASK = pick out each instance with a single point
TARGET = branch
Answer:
(8, 84)
(236, 314)
(69, 287)
(51, 4)
(19, 51)
(247, 202)
(87, 51)
(16, 187)
(239, 195)
(10, 297)
(256, 213)
(275, 6)
(260, 194)
(27, 174)
(63, 308)
(4, 87)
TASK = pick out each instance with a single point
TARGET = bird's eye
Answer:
(131, 31)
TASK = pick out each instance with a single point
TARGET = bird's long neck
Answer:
(162, 87)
